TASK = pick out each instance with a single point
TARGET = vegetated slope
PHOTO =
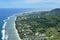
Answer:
(32, 25)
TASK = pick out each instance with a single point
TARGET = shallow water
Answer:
(10, 31)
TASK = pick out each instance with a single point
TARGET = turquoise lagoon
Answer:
(10, 33)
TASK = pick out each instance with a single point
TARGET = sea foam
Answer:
(3, 31)
(4, 35)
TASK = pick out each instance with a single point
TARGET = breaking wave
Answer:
(4, 33)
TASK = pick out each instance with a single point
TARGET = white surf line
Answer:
(4, 36)
(3, 30)
(8, 18)
(4, 25)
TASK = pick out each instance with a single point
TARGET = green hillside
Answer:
(39, 25)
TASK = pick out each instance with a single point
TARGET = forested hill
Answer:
(55, 11)
(42, 22)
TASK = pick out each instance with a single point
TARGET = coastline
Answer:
(3, 30)
(16, 32)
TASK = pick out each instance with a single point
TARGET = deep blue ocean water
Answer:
(6, 12)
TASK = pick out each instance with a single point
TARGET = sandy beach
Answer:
(16, 32)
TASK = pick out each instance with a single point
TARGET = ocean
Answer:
(6, 21)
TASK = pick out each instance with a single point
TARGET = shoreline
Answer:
(16, 32)
(14, 24)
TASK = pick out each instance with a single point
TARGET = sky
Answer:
(30, 4)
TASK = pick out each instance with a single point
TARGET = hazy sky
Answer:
(29, 3)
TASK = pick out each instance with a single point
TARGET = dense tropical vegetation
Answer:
(39, 25)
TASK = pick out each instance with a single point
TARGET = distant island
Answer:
(41, 25)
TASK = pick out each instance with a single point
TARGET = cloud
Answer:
(38, 1)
